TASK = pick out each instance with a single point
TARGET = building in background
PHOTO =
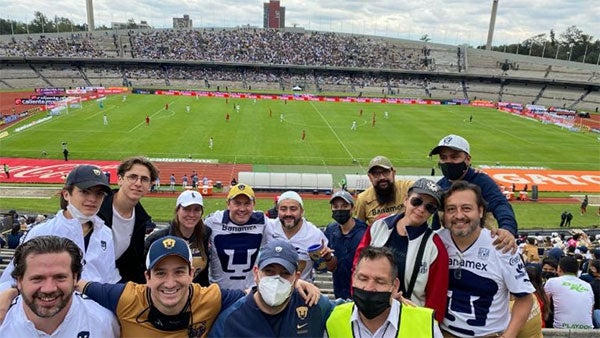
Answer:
(184, 22)
(273, 15)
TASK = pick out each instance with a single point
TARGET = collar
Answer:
(393, 318)
(412, 231)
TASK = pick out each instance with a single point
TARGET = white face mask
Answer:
(274, 290)
(78, 214)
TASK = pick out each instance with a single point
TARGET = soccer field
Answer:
(256, 134)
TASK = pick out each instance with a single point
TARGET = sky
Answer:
(444, 21)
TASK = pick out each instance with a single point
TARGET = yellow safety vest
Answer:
(415, 322)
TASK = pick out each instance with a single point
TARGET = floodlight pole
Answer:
(490, 37)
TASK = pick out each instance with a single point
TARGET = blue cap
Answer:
(278, 252)
(168, 246)
(556, 253)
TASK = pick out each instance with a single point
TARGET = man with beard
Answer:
(47, 269)
(481, 279)
(455, 163)
(292, 227)
(385, 196)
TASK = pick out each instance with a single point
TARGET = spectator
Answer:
(293, 227)
(37, 263)
(272, 213)
(77, 220)
(373, 309)
(455, 162)
(237, 234)
(188, 224)
(123, 212)
(271, 309)
(567, 290)
(583, 206)
(420, 253)
(344, 235)
(14, 238)
(594, 273)
(385, 196)
(530, 251)
(477, 271)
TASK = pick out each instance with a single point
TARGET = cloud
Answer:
(445, 21)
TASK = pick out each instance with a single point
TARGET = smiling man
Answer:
(480, 277)
(237, 234)
(169, 305)
(47, 271)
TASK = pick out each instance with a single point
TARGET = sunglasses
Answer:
(417, 201)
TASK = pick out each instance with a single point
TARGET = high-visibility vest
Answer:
(415, 322)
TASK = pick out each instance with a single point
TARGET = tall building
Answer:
(184, 22)
(273, 15)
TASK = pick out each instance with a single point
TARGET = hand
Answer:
(6, 298)
(504, 241)
(326, 252)
(405, 301)
(309, 292)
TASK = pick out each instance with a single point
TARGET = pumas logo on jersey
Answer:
(83, 334)
(483, 253)
(103, 245)
(197, 330)
(302, 312)
(423, 269)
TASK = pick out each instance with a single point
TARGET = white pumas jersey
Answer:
(85, 319)
(234, 249)
(480, 280)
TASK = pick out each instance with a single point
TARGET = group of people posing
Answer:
(239, 273)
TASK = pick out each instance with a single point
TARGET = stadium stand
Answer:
(265, 59)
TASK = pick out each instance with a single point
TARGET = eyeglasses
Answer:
(418, 201)
(132, 178)
(377, 173)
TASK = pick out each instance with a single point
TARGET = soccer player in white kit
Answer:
(480, 277)
(47, 271)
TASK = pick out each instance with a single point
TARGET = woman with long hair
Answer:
(188, 224)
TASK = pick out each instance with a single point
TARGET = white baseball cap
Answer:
(188, 198)
(290, 195)
(452, 141)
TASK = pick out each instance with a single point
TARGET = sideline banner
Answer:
(547, 180)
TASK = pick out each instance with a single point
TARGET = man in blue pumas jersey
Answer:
(237, 234)
(274, 308)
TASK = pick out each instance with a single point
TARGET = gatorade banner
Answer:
(547, 180)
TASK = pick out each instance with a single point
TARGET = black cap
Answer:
(87, 176)
(427, 187)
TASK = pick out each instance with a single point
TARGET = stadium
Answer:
(259, 92)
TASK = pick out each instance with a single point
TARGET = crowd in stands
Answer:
(551, 257)
(77, 45)
(267, 46)
(13, 225)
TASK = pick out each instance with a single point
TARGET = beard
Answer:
(47, 312)
(385, 194)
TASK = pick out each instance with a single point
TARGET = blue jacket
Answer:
(497, 203)
(245, 319)
(345, 248)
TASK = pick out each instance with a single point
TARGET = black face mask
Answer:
(341, 216)
(371, 303)
(453, 171)
(547, 274)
